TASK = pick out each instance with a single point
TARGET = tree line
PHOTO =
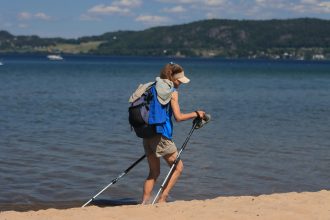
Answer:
(215, 38)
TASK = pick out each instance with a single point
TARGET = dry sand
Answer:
(286, 206)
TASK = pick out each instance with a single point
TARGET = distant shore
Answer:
(294, 39)
(300, 206)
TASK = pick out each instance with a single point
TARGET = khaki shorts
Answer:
(159, 145)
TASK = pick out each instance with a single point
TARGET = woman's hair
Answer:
(169, 70)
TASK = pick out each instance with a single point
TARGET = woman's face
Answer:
(176, 83)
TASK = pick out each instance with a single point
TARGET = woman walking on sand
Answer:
(167, 84)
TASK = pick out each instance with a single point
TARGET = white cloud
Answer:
(42, 16)
(211, 8)
(325, 6)
(299, 8)
(23, 26)
(309, 2)
(271, 4)
(152, 19)
(89, 17)
(311, 6)
(211, 15)
(128, 3)
(106, 10)
(196, 2)
(24, 16)
(215, 2)
(122, 7)
(176, 9)
(256, 9)
(179, 1)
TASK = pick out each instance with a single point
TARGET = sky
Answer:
(76, 18)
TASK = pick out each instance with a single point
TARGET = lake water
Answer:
(64, 132)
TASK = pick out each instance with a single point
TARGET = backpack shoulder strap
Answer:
(140, 91)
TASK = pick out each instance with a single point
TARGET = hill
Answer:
(303, 38)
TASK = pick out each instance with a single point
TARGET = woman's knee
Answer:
(179, 167)
(153, 174)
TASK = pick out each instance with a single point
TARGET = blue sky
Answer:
(75, 18)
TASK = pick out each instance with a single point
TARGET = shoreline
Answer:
(72, 56)
(304, 205)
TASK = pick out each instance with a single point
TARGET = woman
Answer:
(162, 145)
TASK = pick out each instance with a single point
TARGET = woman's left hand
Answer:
(200, 114)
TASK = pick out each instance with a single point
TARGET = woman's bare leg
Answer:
(173, 178)
(154, 170)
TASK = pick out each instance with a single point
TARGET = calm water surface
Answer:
(64, 132)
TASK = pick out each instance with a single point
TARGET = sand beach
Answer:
(299, 206)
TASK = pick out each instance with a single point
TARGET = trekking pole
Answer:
(177, 159)
(116, 179)
(197, 124)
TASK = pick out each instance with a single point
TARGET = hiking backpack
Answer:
(138, 115)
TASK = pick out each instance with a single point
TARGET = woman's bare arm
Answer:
(178, 115)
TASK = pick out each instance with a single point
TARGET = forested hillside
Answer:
(303, 38)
